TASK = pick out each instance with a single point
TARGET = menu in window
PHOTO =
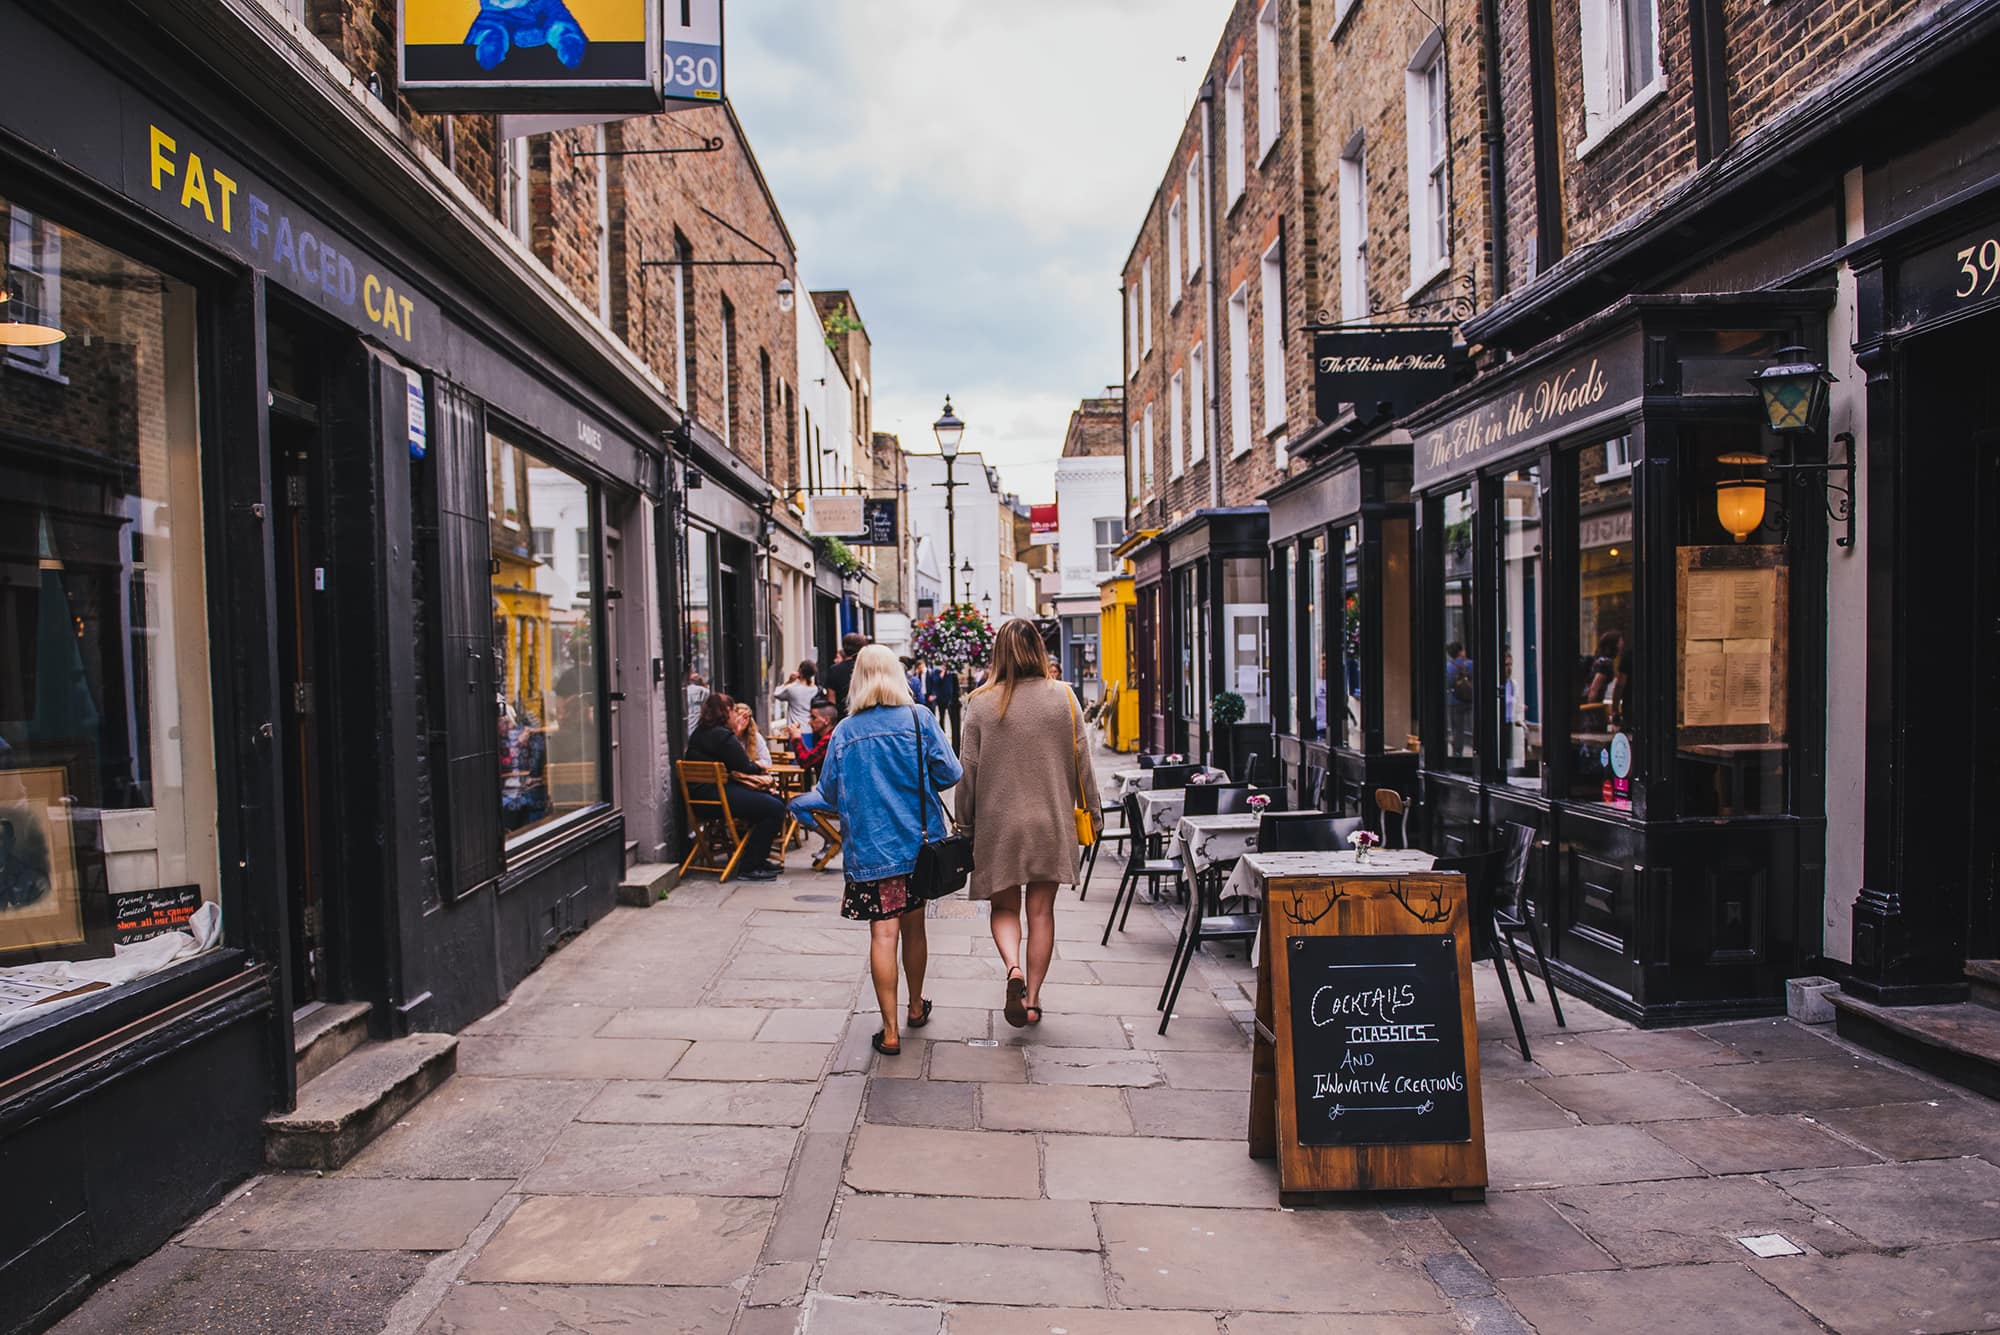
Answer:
(1732, 641)
(1730, 604)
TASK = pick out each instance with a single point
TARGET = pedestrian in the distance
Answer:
(1026, 764)
(944, 701)
(882, 772)
(796, 695)
(839, 678)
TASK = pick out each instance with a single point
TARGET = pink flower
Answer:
(1258, 802)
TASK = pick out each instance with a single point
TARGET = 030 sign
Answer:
(692, 65)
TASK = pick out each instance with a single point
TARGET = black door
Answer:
(1983, 882)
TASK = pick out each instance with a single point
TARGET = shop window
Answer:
(1344, 600)
(1602, 751)
(545, 644)
(1286, 645)
(107, 764)
(700, 619)
(1325, 701)
(1192, 606)
(1519, 601)
(1399, 676)
(1459, 672)
(1244, 614)
(1732, 743)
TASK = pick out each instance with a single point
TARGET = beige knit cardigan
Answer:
(1020, 786)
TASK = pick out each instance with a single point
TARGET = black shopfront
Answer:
(1599, 657)
(325, 591)
(1343, 547)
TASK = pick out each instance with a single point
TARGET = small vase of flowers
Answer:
(1365, 842)
(1257, 803)
(1176, 758)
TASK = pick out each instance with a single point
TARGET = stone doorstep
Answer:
(647, 883)
(357, 1099)
(1959, 1042)
(326, 1034)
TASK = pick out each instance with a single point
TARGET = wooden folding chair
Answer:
(718, 839)
(830, 831)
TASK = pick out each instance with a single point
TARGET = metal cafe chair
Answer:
(1234, 799)
(1512, 913)
(1200, 798)
(1390, 803)
(1167, 777)
(1137, 865)
(718, 840)
(1480, 870)
(1206, 921)
(1304, 832)
(1108, 834)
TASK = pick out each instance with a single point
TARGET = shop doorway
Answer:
(298, 390)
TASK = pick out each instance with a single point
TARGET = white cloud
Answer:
(976, 174)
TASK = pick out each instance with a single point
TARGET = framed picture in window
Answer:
(39, 900)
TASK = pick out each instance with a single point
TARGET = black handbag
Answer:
(943, 865)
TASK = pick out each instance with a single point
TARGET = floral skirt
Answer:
(874, 901)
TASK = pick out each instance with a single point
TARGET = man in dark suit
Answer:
(941, 689)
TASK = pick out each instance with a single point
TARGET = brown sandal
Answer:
(1016, 1009)
(1034, 1014)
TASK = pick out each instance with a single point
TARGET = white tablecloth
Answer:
(1202, 841)
(1256, 868)
(1160, 812)
(1125, 781)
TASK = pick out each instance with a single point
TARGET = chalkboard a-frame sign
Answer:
(1365, 1072)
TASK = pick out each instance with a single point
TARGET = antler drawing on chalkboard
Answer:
(1436, 911)
(1334, 894)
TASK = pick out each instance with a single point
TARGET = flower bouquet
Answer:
(957, 637)
(1198, 778)
(1257, 802)
(1175, 759)
(1365, 842)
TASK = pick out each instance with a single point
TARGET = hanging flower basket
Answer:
(957, 637)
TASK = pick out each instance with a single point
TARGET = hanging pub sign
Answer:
(691, 63)
(878, 520)
(530, 55)
(1044, 522)
(836, 515)
(1383, 370)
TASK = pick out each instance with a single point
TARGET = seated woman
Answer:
(751, 800)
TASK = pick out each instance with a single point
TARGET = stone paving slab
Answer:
(570, 1058)
(947, 1103)
(685, 1022)
(725, 1059)
(1075, 1321)
(780, 992)
(701, 1103)
(472, 1127)
(1050, 1225)
(1758, 1144)
(949, 1024)
(1906, 1204)
(177, 1290)
(667, 1240)
(623, 1160)
(1339, 1261)
(962, 1273)
(1662, 1049)
(1515, 1105)
(1063, 1029)
(958, 1061)
(1689, 1220)
(542, 1020)
(1579, 1156)
(1084, 1109)
(1206, 1070)
(1190, 1033)
(1191, 1114)
(1630, 1096)
(311, 1214)
(1939, 1128)
(1775, 1040)
(559, 1309)
(1560, 1056)
(1093, 1066)
(1514, 1234)
(1809, 1085)
(1670, 1300)
(926, 1162)
(845, 1316)
(1928, 1289)
(1145, 1170)
(797, 968)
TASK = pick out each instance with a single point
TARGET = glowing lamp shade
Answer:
(1739, 501)
(1793, 390)
(21, 333)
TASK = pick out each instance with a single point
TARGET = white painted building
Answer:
(826, 408)
(978, 528)
(1090, 522)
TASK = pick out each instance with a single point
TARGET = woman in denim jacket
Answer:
(874, 778)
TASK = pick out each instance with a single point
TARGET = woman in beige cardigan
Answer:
(1027, 765)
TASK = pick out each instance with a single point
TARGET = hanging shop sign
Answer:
(1383, 370)
(1557, 397)
(878, 520)
(1043, 524)
(186, 181)
(530, 55)
(691, 54)
(836, 515)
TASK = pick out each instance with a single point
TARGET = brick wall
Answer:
(1096, 429)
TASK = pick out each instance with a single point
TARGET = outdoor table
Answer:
(790, 781)
(1127, 781)
(1253, 869)
(1159, 812)
(1202, 841)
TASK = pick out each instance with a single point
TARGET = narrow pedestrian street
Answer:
(678, 1125)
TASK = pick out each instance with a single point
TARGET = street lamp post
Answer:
(949, 431)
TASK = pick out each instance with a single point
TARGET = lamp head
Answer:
(1793, 389)
(786, 294)
(949, 431)
(1739, 501)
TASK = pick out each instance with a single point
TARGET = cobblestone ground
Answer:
(677, 1125)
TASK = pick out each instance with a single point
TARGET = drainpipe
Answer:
(1208, 235)
(1494, 138)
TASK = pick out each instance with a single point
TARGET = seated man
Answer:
(810, 744)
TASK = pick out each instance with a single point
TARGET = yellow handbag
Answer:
(1086, 814)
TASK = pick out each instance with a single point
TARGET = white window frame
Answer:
(1197, 405)
(1239, 371)
(1342, 11)
(1427, 132)
(1109, 531)
(1192, 196)
(1610, 97)
(1354, 230)
(1138, 482)
(603, 227)
(1617, 459)
(1146, 306)
(34, 251)
(1174, 284)
(516, 164)
(679, 276)
(1232, 134)
(1132, 330)
(1176, 427)
(1270, 110)
(585, 559)
(1272, 281)
(1146, 455)
(510, 488)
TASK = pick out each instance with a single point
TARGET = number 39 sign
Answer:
(1958, 275)
(692, 64)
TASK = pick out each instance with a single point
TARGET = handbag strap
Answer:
(923, 780)
(1076, 750)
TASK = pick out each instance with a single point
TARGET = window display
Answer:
(1325, 705)
(107, 767)
(1601, 688)
(1460, 671)
(545, 641)
(1247, 654)
(1520, 598)
(1399, 713)
(1288, 655)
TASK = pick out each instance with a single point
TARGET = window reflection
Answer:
(1601, 688)
(1248, 656)
(1520, 599)
(1322, 707)
(1461, 681)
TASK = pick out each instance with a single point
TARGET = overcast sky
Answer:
(975, 172)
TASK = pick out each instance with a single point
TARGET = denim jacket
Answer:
(871, 778)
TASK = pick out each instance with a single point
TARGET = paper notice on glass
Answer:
(1706, 618)
(1753, 599)
(1248, 680)
(1702, 691)
(1747, 681)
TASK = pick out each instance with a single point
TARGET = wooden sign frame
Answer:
(1422, 904)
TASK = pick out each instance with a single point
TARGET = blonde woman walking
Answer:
(1026, 763)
